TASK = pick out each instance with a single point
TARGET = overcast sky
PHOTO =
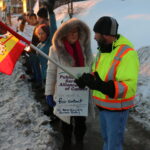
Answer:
(133, 17)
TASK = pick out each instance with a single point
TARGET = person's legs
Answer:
(67, 135)
(113, 132)
(79, 131)
(103, 129)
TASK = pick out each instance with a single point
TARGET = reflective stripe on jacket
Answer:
(121, 66)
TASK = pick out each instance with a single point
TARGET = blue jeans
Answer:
(112, 125)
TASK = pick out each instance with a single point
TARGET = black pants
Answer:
(77, 127)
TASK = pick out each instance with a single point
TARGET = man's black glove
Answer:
(89, 80)
(80, 82)
(92, 81)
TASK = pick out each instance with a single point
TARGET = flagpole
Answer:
(47, 57)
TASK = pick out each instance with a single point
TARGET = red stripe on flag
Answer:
(8, 64)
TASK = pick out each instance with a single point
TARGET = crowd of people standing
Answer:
(113, 79)
(41, 27)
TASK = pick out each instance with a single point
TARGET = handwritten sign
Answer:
(70, 99)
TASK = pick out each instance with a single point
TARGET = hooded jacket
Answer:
(59, 54)
(124, 77)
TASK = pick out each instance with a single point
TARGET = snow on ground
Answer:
(80, 8)
(142, 110)
(22, 124)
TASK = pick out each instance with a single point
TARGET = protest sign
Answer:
(70, 99)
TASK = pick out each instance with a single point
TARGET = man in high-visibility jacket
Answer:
(113, 81)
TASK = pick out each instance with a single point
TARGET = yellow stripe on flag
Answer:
(8, 46)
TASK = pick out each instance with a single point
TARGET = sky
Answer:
(133, 17)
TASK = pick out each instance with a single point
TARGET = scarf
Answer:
(76, 52)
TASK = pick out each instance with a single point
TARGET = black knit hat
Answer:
(106, 25)
(43, 13)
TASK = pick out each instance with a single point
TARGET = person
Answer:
(25, 29)
(8, 19)
(36, 77)
(45, 34)
(21, 23)
(33, 19)
(42, 16)
(113, 80)
(70, 47)
(30, 23)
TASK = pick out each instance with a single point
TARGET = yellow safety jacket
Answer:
(122, 66)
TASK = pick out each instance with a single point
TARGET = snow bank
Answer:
(22, 124)
(141, 112)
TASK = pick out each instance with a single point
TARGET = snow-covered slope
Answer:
(22, 124)
(141, 112)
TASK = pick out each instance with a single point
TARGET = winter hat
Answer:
(106, 25)
(42, 13)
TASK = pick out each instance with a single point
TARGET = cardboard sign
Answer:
(70, 99)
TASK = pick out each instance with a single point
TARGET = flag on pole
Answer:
(36, 7)
(21, 46)
(10, 51)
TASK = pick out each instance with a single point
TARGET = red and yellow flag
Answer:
(10, 51)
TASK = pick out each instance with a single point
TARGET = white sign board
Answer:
(70, 99)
